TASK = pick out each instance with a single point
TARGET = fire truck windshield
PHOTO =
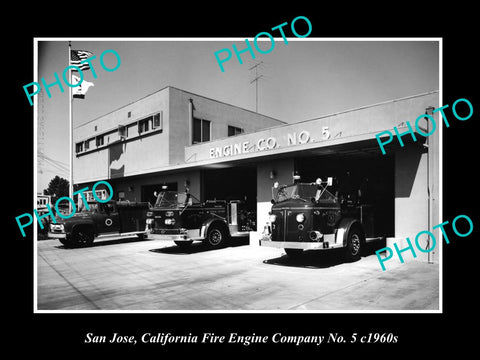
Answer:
(174, 199)
(94, 207)
(304, 192)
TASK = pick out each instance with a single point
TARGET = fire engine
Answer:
(308, 216)
(182, 218)
(108, 220)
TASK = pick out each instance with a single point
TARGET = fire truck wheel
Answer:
(354, 244)
(82, 236)
(294, 253)
(216, 237)
(183, 244)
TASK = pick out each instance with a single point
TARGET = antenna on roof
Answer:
(257, 77)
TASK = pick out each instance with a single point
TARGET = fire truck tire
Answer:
(82, 236)
(183, 244)
(68, 243)
(216, 237)
(355, 242)
(294, 253)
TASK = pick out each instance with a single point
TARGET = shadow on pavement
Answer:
(124, 240)
(198, 247)
(316, 259)
(320, 259)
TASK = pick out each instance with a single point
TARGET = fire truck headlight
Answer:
(273, 218)
(169, 213)
(169, 221)
(300, 218)
(149, 214)
(149, 221)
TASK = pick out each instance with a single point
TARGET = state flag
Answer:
(80, 91)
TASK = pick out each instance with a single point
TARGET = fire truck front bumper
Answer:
(170, 237)
(53, 235)
(176, 234)
(327, 243)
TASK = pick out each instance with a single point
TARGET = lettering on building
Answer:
(262, 144)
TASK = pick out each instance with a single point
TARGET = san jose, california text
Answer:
(242, 339)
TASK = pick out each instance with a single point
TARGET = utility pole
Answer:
(70, 123)
(257, 77)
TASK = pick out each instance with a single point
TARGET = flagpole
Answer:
(70, 122)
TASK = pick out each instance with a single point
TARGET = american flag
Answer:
(76, 57)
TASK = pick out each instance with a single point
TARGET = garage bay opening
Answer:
(359, 177)
(233, 183)
(226, 209)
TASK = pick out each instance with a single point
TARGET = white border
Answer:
(35, 165)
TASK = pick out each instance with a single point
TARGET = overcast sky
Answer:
(300, 80)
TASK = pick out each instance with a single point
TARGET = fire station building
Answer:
(173, 137)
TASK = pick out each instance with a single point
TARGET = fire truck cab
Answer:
(308, 216)
(182, 218)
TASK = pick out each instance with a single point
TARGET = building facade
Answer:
(138, 147)
(174, 138)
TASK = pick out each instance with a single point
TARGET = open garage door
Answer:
(233, 183)
(361, 175)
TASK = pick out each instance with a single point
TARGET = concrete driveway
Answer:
(154, 275)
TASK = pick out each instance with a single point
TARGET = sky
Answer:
(304, 79)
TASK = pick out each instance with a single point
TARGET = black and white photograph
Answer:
(278, 187)
(228, 186)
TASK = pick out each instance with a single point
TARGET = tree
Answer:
(57, 187)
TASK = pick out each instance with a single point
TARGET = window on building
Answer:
(79, 147)
(100, 194)
(131, 128)
(201, 131)
(232, 130)
(99, 141)
(86, 144)
(158, 121)
(143, 125)
(122, 131)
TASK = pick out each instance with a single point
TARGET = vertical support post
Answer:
(70, 124)
(430, 153)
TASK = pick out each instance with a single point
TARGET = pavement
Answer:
(154, 275)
